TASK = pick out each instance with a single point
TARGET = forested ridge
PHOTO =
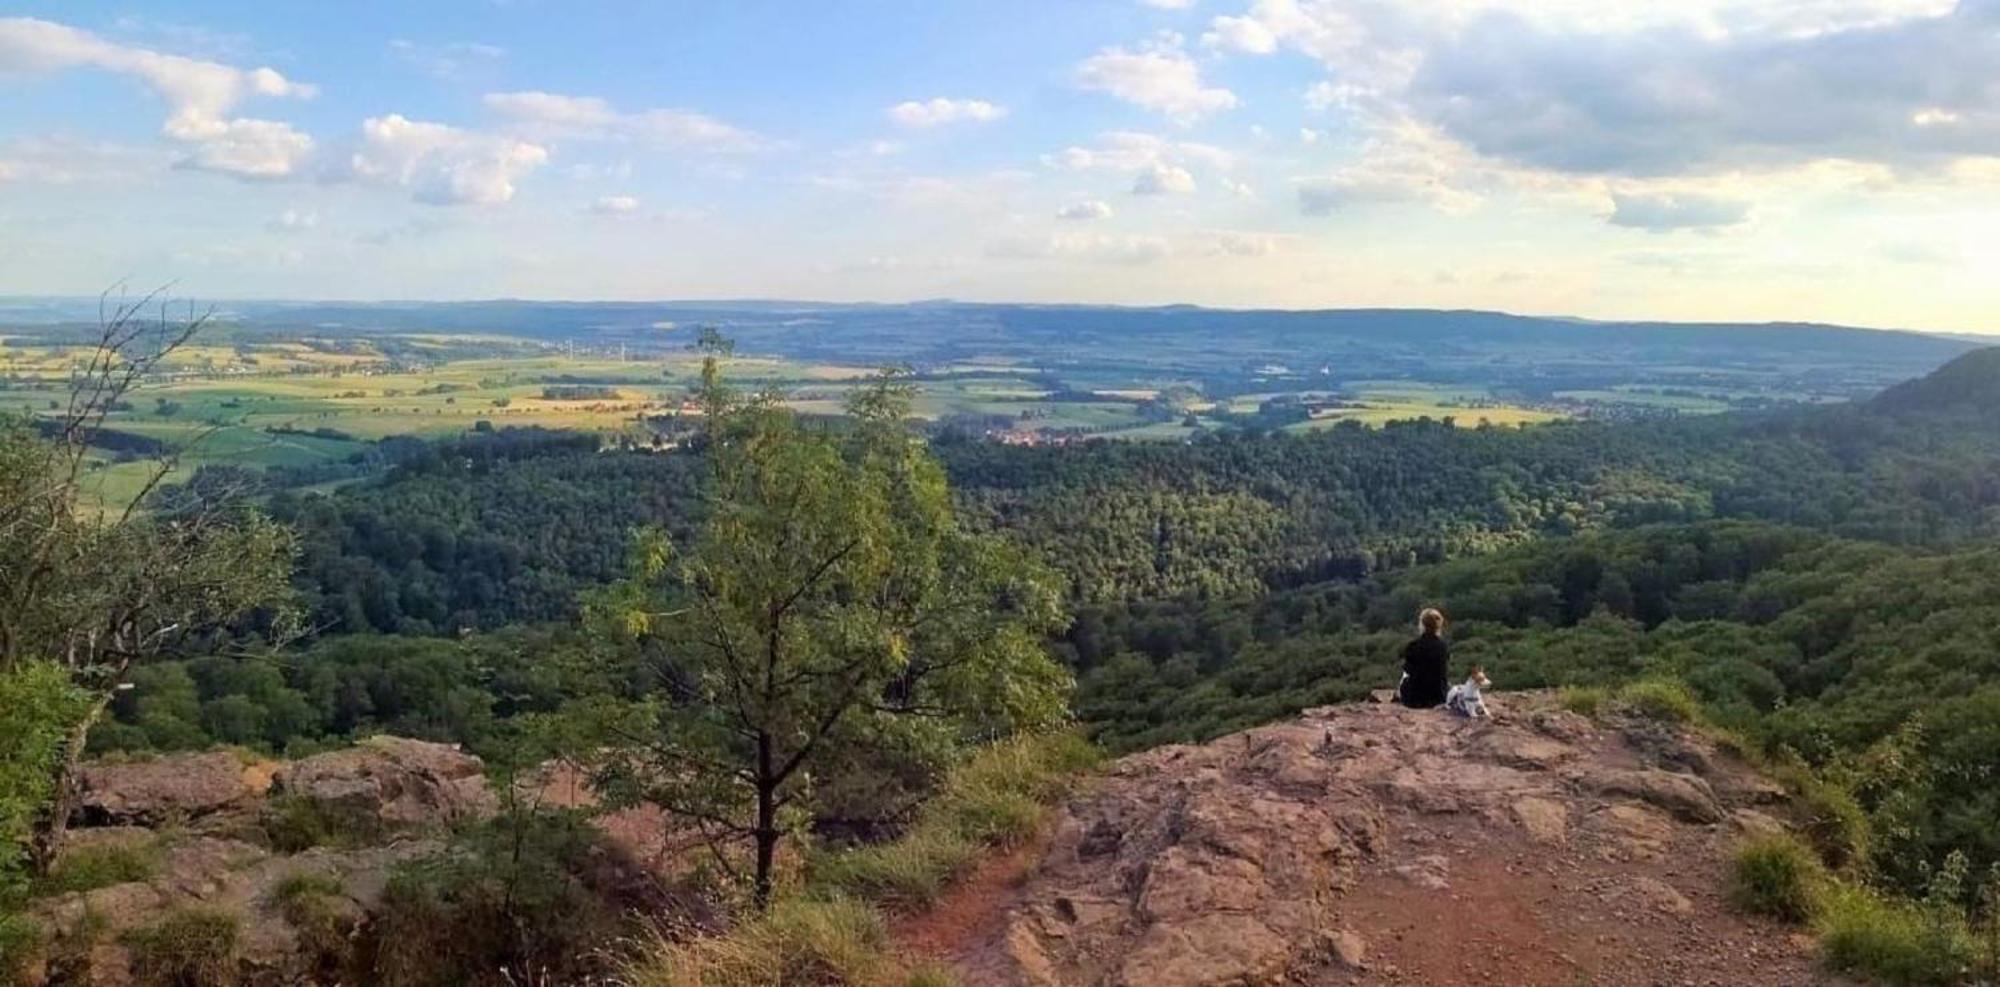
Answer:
(502, 528)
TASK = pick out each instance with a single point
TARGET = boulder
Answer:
(152, 791)
(400, 781)
(1684, 796)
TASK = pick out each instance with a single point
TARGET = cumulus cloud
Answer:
(1665, 211)
(543, 116)
(441, 164)
(1158, 76)
(1581, 88)
(615, 205)
(940, 111)
(1163, 179)
(1087, 210)
(200, 95)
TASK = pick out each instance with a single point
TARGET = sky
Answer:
(1825, 160)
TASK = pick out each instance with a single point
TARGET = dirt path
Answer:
(967, 928)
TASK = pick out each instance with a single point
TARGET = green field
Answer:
(256, 403)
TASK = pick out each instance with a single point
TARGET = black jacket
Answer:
(1424, 661)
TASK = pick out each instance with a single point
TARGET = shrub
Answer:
(838, 941)
(1830, 816)
(1667, 700)
(294, 824)
(1778, 876)
(1588, 700)
(192, 947)
(91, 867)
(20, 941)
(310, 903)
(1899, 942)
(522, 896)
(996, 797)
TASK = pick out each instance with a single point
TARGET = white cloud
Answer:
(1159, 77)
(443, 165)
(66, 161)
(546, 116)
(1087, 210)
(1163, 179)
(200, 95)
(1126, 248)
(1665, 211)
(940, 111)
(448, 60)
(1131, 151)
(614, 205)
(1168, 4)
(1245, 34)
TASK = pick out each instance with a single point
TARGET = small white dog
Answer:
(1469, 698)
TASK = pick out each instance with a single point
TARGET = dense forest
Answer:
(509, 526)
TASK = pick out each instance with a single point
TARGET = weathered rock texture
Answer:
(402, 782)
(1378, 844)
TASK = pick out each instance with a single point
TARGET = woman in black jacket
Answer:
(1424, 660)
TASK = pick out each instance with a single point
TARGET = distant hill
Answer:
(1969, 383)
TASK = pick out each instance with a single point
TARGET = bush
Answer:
(295, 824)
(1831, 818)
(192, 947)
(525, 896)
(1777, 876)
(20, 941)
(838, 941)
(308, 901)
(1667, 700)
(90, 868)
(996, 797)
(1588, 700)
(1899, 942)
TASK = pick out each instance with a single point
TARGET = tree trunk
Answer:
(47, 843)
(767, 822)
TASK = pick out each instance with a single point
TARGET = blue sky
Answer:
(1835, 160)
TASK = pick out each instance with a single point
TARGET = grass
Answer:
(191, 947)
(996, 798)
(834, 932)
(1779, 876)
(798, 941)
(293, 824)
(20, 942)
(92, 867)
(1667, 700)
(1898, 942)
(307, 901)
(1588, 700)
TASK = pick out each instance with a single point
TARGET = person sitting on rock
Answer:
(1425, 677)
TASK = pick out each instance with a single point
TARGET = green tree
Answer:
(830, 607)
(95, 594)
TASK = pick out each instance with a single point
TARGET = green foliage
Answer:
(191, 947)
(796, 942)
(294, 823)
(1776, 875)
(996, 797)
(1661, 699)
(831, 609)
(20, 942)
(310, 902)
(91, 867)
(1830, 816)
(525, 897)
(1585, 699)
(38, 708)
(1899, 942)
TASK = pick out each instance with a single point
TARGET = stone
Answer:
(1684, 796)
(1348, 949)
(157, 790)
(403, 782)
(1545, 820)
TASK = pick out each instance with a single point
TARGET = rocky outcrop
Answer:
(199, 820)
(399, 781)
(1329, 848)
(173, 788)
